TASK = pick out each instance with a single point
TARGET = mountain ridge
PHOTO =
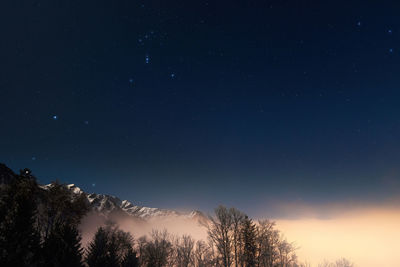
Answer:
(107, 204)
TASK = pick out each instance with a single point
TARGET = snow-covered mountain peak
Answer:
(106, 204)
(75, 189)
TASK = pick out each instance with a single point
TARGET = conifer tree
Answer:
(113, 250)
(19, 238)
(109, 248)
(130, 259)
(249, 242)
(97, 255)
(62, 248)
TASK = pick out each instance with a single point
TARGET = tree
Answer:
(203, 254)
(130, 259)
(286, 253)
(343, 262)
(111, 247)
(237, 219)
(248, 235)
(97, 255)
(62, 248)
(184, 251)
(60, 206)
(156, 252)
(220, 233)
(141, 246)
(19, 238)
(267, 241)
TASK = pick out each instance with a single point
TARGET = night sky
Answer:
(190, 104)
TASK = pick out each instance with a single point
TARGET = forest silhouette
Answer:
(39, 226)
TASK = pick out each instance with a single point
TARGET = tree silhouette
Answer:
(130, 259)
(219, 232)
(184, 251)
(19, 238)
(158, 250)
(39, 227)
(97, 255)
(62, 248)
(111, 247)
(237, 219)
(59, 205)
(249, 236)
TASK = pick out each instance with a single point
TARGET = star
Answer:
(55, 117)
(33, 158)
(391, 50)
(359, 23)
(93, 185)
(389, 31)
(86, 122)
(147, 59)
(172, 75)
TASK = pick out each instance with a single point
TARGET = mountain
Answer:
(107, 205)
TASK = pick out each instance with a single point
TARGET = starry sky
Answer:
(190, 104)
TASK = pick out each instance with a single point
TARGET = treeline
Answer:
(40, 227)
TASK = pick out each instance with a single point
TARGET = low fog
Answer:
(139, 227)
(368, 236)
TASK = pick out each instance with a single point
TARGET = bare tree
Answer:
(214, 256)
(342, 262)
(326, 263)
(237, 219)
(141, 248)
(184, 251)
(156, 252)
(220, 233)
(203, 254)
(304, 264)
(267, 242)
(286, 253)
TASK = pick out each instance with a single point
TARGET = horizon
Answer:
(285, 110)
(305, 225)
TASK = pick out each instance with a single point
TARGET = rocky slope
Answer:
(106, 204)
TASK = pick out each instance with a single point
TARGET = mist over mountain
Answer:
(58, 204)
(107, 205)
(138, 220)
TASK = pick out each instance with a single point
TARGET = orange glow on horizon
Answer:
(367, 237)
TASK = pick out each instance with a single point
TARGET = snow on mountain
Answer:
(106, 204)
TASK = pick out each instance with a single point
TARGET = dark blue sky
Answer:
(189, 104)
